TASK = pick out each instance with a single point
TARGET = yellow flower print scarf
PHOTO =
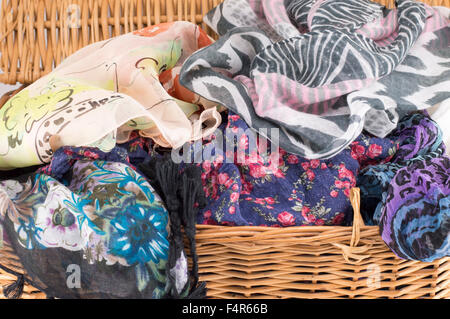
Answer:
(102, 92)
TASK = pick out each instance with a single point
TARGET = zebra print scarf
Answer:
(270, 73)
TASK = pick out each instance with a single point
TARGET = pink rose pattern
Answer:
(284, 189)
(279, 189)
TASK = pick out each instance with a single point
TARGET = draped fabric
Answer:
(122, 150)
(106, 221)
(415, 222)
(273, 75)
(93, 211)
(409, 196)
(105, 90)
(248, 181)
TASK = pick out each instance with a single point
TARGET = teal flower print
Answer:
(139, 235)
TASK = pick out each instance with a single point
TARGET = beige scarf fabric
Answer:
(101, 93)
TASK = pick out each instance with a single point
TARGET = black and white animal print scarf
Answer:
(265, 69)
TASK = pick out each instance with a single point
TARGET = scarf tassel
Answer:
(14, 290)
(180, 192)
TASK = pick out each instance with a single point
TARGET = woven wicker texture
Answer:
(236, 262)
(313, 262)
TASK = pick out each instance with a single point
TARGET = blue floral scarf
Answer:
(101, 220)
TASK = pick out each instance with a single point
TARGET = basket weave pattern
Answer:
(236, 262)
(313, 262)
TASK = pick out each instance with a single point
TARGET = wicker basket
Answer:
(236, 262)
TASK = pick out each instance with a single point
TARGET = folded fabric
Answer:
(105, 225)
(421, 81)
(299, 84)
(419, 138)
(65, 157)
(182, 208)
(248, 182)
(409, 197)
(415, 220)
(289, 18)
(101, 93)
